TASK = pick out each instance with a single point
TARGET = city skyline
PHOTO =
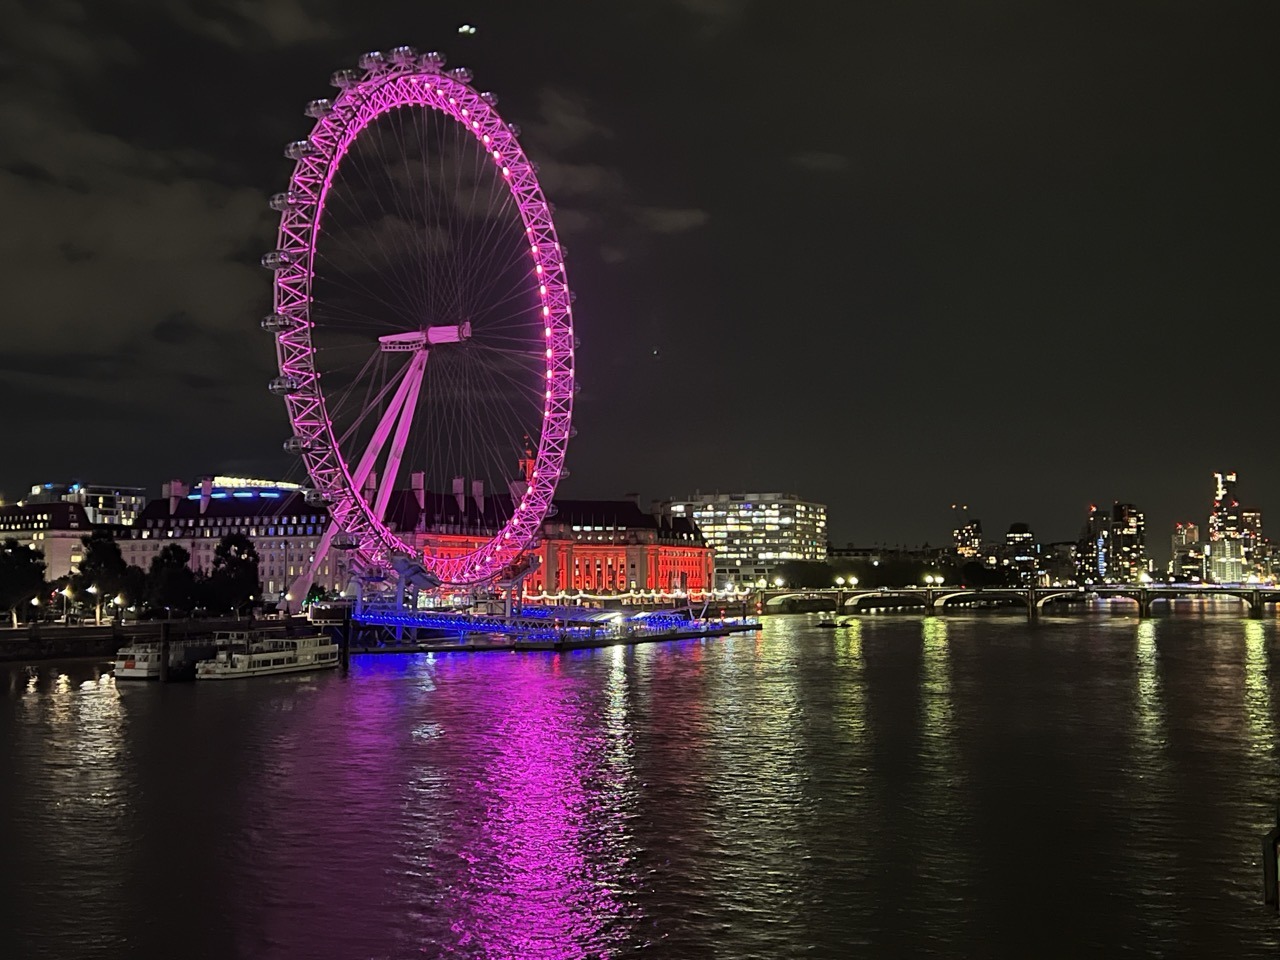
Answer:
(968, 273)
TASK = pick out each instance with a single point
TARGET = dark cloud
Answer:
(894, 255)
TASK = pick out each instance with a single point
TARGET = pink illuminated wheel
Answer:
(422, 318)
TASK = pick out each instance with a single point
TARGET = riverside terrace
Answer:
(935, 599)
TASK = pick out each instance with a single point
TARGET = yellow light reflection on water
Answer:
(1257, 690)
(1150, 706)
(935, 690)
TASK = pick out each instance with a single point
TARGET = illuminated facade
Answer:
(1113, 546)
(102, 504)
(1187, 554)
(284, 529)
(967, 533)
(1020, 554)
(752, 533)
(1224, 515)
(52, 528)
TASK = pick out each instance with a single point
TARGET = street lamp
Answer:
(853, 581)
(928, 579)
(66, 596)
(839, 581)
(97, 608)
(778, 582)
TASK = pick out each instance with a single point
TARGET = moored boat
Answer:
(140, 660)
(248, 653)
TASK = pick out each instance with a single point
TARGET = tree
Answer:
(314, 593)
(21, 575)
(171, 583)
(233, 581)
(102, 566)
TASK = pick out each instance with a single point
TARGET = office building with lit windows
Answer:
(1113, 546)
(752, 534)
(102, 504)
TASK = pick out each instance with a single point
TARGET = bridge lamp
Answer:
(839, 581)
(928, 579)
(853, 581)
(778, 582)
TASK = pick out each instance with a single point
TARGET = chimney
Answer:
(418, 481)
(477, 494)
(174, 490)
(459, 488)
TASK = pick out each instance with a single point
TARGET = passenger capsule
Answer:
(461, 74)
(564, 472)
(296, 444)
(283, 386)
(345, 541)
(315, 498)
(573, 432)
(434, 61)
(490, 98)
(344, 78)
(279, 259)
(300, 149)
(573, 296)
(280, 202)
(280, 323)
(577, 342)
(373, 60)
(403, 56)
(514, 129)
(319, 108)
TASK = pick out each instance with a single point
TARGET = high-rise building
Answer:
(1128, 562)
(1186, 564)
(1224, 560)
(1113, 546)
(753, 533)
(966, 533)
(1224, 515)
(1020, 554)
(1091, 556)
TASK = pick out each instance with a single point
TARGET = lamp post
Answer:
(66, 597)
(97, 609)
(839, 581)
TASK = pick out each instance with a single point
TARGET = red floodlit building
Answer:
(599, 547)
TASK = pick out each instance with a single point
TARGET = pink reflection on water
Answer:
(536, 880)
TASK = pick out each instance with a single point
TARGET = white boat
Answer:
(250, 653)
(140, 660)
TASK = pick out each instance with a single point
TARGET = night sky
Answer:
(888, 256)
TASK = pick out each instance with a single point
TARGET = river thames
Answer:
(965, 787)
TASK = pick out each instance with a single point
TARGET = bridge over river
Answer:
(936, 599)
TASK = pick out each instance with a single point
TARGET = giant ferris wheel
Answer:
(421, 314)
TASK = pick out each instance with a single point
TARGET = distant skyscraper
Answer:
(1091, 556)
(1128, 560)
(1021, 553)
(1224, 515)
(1187, 553)
(1113, 547)
(967, 532)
